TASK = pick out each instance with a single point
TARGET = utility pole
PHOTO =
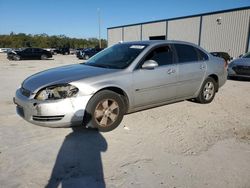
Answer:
(99, 23)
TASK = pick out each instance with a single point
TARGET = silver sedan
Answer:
(121, 79)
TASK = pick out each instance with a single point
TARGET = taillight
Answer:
(225, 64)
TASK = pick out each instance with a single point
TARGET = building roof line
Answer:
(183, 17)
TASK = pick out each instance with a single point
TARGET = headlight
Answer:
(57, 92)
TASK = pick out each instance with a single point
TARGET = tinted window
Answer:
(186, 53)
(162, 55)
(37, 50)
(28, 50)
(202, 56)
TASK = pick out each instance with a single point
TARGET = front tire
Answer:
(16, 57)
(207, 91)
(44, 57)
(104, 111)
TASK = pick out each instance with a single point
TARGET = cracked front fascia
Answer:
(84, 89)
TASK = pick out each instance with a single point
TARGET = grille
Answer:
(25, 92)
(48, 118)
(242, 70)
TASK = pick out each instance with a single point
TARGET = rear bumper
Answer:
(58, 113)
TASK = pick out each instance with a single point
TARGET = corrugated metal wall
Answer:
(184, 29)
(132, 33)
(149, 30)
(230, 36)
(114, 36)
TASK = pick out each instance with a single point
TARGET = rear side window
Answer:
(202, 56)
(37, 50)
(28, 50)
(162, 55)
(186, 53)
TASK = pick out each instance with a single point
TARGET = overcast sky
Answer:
(79, 18)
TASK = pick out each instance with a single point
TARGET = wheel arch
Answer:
(216, 79)
(120, 92)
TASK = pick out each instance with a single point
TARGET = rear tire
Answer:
(104, 111)
(207, 91)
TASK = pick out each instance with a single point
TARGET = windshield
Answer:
(118, 56)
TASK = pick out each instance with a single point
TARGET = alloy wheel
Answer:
(208, 91)
(106, 112)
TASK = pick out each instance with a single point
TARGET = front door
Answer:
(151, 86)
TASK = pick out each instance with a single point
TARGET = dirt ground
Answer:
(179, 145)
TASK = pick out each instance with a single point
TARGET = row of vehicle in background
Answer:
(87, 53)
(29, 53)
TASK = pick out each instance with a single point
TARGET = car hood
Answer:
(241, 61)
(13, 52)
(62, 75)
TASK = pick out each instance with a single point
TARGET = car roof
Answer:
(155, 42)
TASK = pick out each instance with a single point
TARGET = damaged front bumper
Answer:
(54, 113)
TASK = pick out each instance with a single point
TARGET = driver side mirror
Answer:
(149, 64)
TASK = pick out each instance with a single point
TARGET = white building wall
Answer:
(230, 35)
(132, 33)
(153, 29)
(186, 29)
(114, 36)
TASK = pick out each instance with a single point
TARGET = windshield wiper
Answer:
(100, 65)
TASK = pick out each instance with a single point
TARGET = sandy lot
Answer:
(179, 145)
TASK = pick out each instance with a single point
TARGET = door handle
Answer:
(202, 67)
(171, 71)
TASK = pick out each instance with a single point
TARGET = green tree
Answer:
(43, 40)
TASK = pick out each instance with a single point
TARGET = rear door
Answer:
(27, 53)
(192, 68)
(158, 84)
(37, 52)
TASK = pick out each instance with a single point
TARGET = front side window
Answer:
(162, 55)
(118, 56)
(28, 50)
(37, 50)
(186, 53)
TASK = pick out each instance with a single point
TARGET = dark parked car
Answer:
(63, 51)
(223, 55)
(87, 53)
(29, 53)
(240, 67)
(80, 52)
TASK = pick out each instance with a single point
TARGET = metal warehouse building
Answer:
(226, 31)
